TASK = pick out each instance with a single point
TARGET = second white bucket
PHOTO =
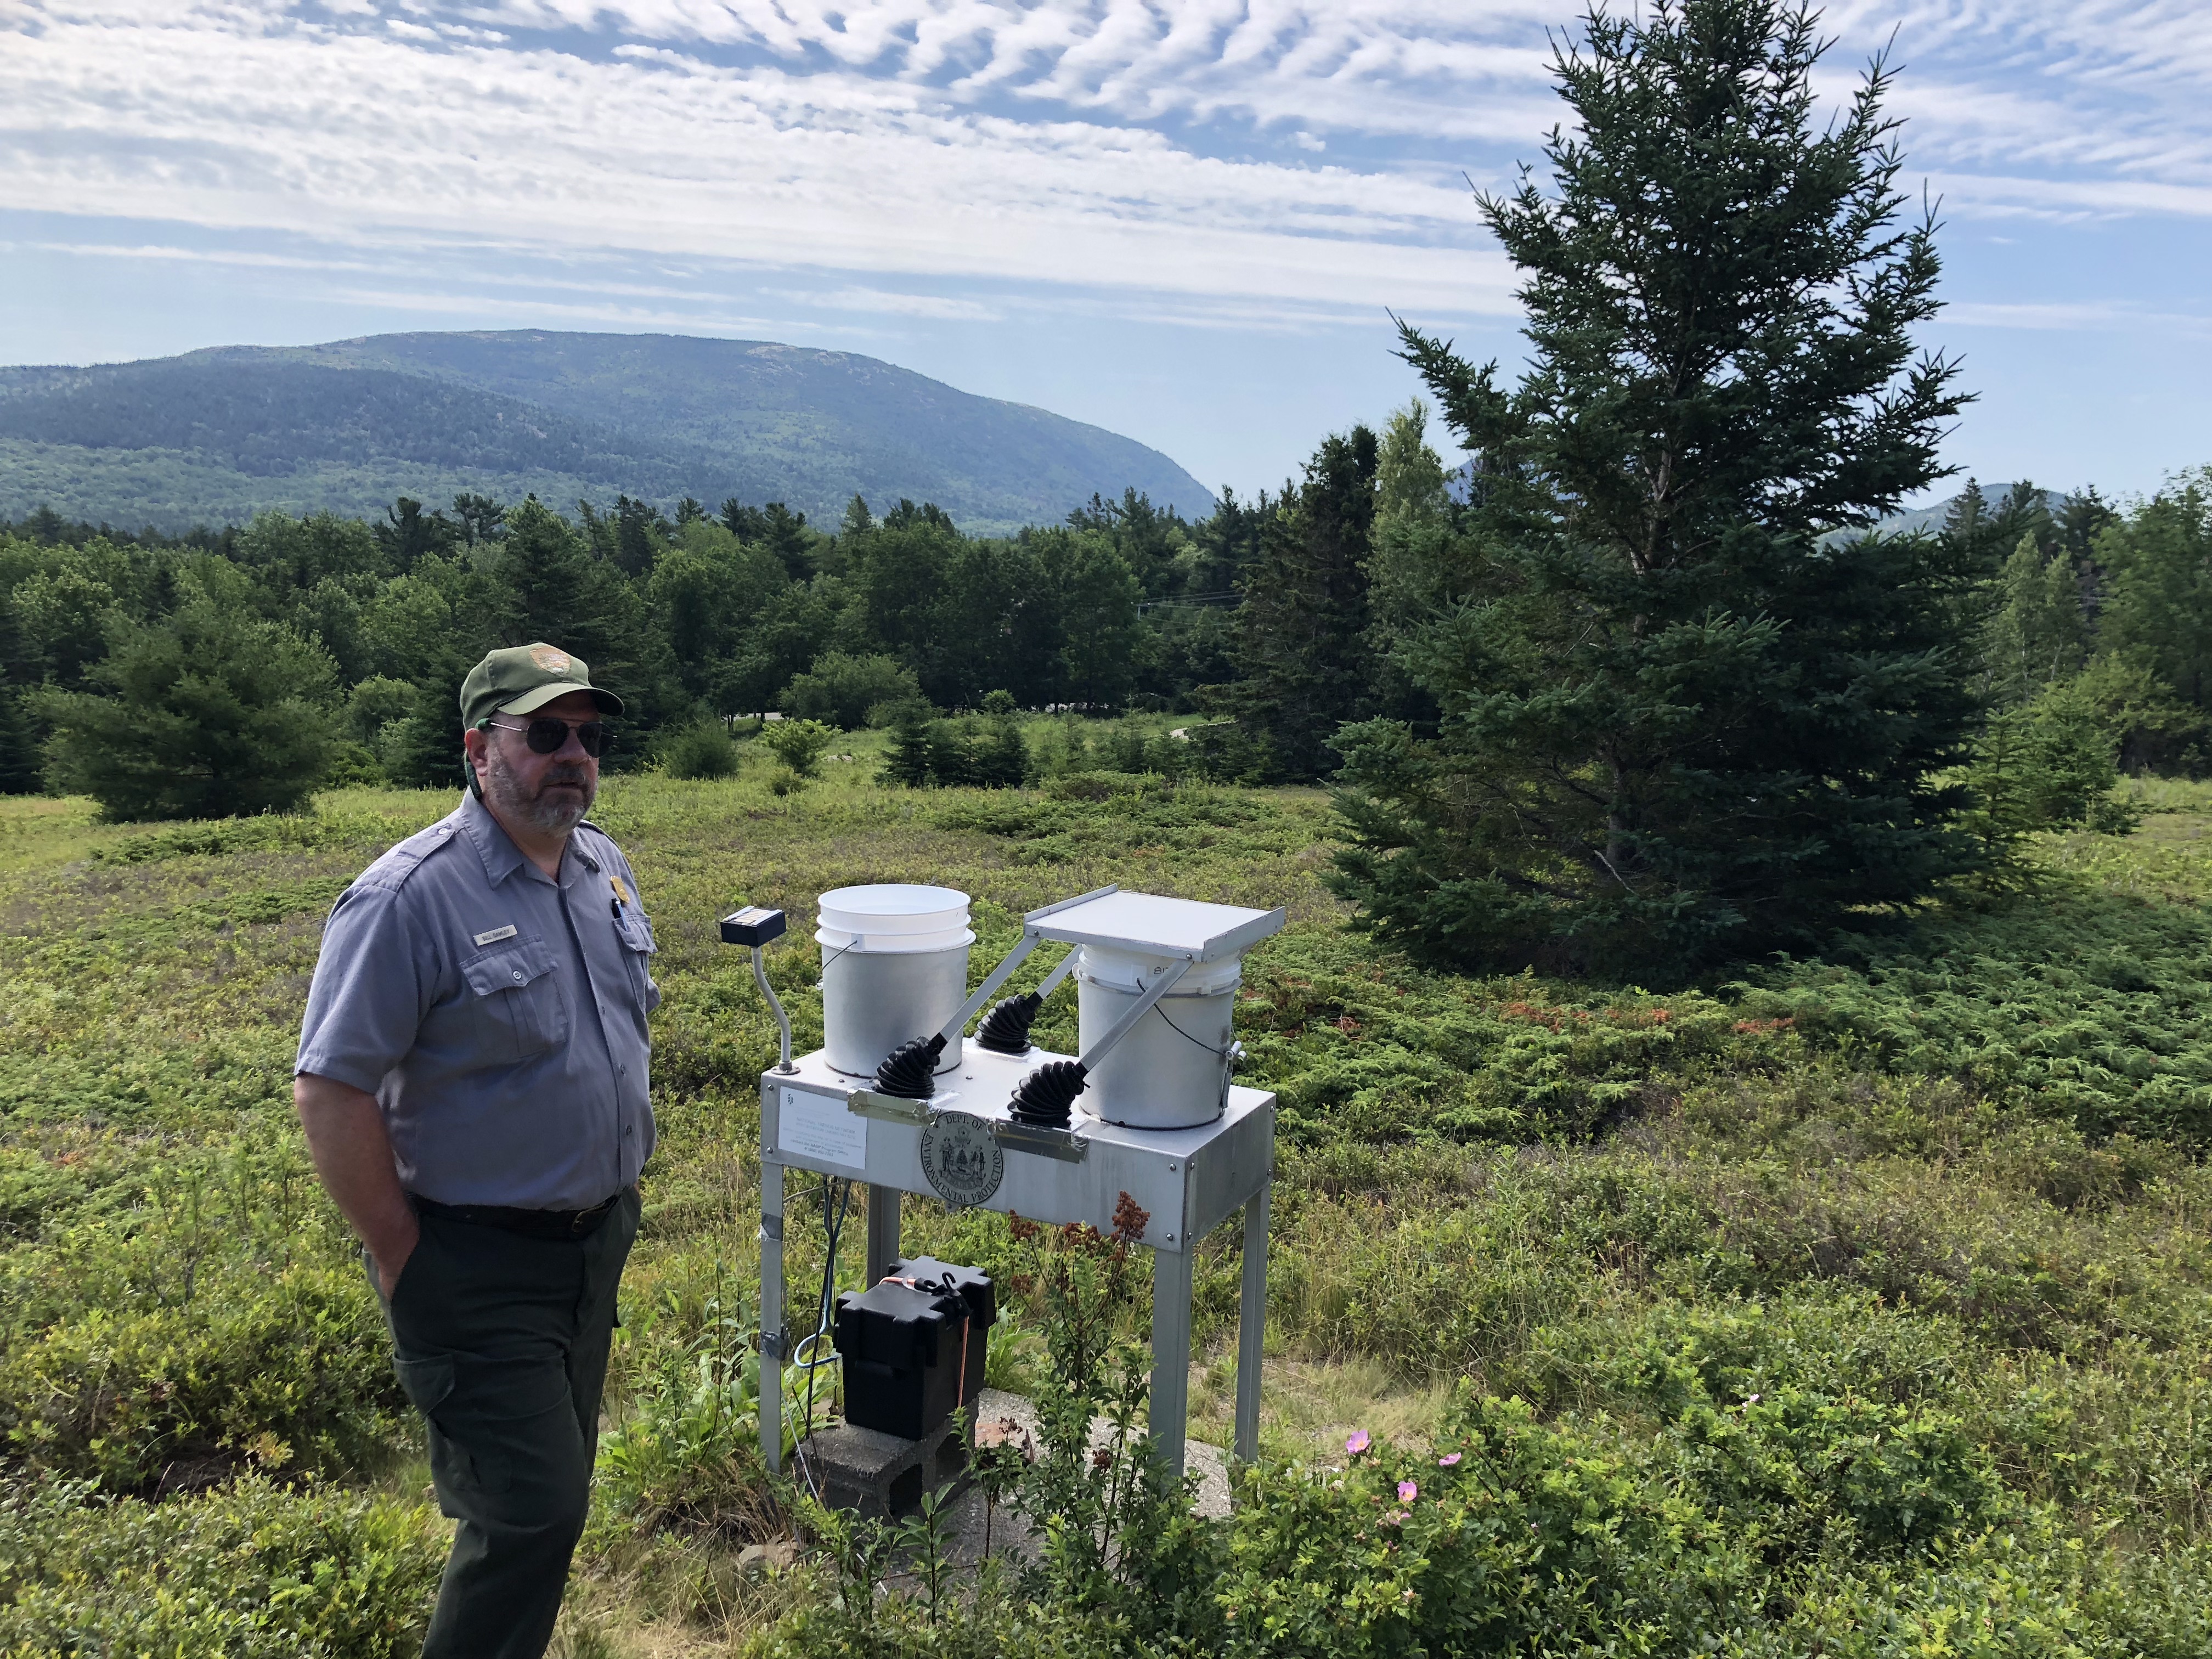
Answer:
(893, 967)
(1172, 1070)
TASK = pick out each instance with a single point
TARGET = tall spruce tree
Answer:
(1304, 667)
(1682, 721)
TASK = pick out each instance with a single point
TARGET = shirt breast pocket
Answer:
(518, 996)
(635, 933)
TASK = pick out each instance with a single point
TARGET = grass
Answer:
(1516, 1185)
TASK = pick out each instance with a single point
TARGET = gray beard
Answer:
(554, 816)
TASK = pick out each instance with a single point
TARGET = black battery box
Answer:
(912, 1348)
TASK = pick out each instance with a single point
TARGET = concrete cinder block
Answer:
(879, 1476)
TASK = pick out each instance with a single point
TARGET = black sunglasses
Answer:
(547, 735)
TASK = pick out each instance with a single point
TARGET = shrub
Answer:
(174, 1330)
(214, 713)
(703, 750)
(253, 1571)
(686, 1454)
(2087, 1005)
(2048, 764)
(841, 688)
(799, 744)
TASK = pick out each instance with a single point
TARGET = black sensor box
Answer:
(913, 1346)
(752, 926)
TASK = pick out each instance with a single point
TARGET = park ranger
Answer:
(472, 1076)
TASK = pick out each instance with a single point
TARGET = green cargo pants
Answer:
(502, 1344)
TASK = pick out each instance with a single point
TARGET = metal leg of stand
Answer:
(1252, 1327)
(1170, 1356)
(882, 1230)
(772, 1316)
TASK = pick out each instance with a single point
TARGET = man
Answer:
(472, 1076)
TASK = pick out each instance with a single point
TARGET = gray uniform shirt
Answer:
(497, 1014)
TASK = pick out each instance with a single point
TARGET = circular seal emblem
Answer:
(962, 1159)
(552, 661)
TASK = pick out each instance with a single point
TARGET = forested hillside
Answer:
(214, 436)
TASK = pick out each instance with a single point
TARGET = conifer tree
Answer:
(19, 748)
(2158, 603)
(1302, 655)
(210, 713)
(1680, 724)
(906, 757)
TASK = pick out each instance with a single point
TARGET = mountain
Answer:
(215, 435)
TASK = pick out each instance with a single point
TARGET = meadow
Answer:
(1856, 1306)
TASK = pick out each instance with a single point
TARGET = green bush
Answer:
(170, 1327)
(703, 750)
(2048, 764)
(252, 1571)
(685, 1450)
(799, 744)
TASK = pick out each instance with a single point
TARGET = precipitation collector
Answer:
(472, 1076)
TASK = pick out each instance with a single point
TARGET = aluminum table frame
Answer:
(815, 1119)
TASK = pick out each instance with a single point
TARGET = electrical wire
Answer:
(1187, 1037)
(833, 1228)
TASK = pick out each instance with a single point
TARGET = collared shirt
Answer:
(497, 1014)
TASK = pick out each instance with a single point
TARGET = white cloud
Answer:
(1131, 145)
(2099, 316)
(851, 298)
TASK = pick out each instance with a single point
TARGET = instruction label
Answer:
(818, 1126)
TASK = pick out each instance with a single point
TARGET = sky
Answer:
(1187, 221)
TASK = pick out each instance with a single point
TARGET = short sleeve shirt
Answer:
(498, 1015)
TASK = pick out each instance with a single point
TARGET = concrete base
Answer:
(883, 1477)
(880, 1476)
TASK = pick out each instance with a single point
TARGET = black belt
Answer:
(531, 1224)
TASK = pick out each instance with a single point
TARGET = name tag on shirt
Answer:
(495, 936)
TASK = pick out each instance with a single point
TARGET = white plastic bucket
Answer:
(1172, 1070)
(894, 967)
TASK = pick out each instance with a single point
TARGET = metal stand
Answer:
(1252, 1327)
(882, 1230)
(1188, 1181)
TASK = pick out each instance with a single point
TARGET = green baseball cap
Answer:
(523, 678)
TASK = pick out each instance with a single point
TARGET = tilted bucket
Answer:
(893, 967)
(1172, 1070)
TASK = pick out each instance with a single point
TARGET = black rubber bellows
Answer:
(1006, 1029)
(1044, 1096)
(910, 1071)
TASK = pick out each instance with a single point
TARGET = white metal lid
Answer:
(1151, 924)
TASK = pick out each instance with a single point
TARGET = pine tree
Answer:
(424, 750)
(1002, 759)
(1679, 725)
(906, 757)
(19, 748)
(1304, 667)
(211, 712)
